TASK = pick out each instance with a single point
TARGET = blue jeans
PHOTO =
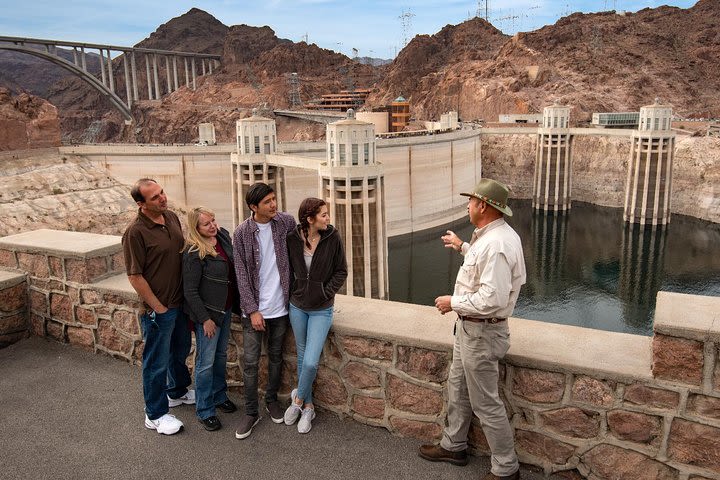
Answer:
(252, 347)
(167, 345)
(310, 329)
(210, 361)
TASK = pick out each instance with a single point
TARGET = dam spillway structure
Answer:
(552, 181)
(649, 175)
(353, 184)
(256, 138)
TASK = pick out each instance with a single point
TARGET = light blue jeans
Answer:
(310, 329)
(210, 361)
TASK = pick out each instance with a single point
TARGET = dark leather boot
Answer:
(436, 453)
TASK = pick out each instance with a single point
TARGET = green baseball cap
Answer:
(493, 193)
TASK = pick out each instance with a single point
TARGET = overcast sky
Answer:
(373, 27)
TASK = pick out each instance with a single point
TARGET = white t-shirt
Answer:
(271, 294)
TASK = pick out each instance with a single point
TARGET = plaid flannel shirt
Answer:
(246, 252)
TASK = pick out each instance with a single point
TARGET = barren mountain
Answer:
(593, 62)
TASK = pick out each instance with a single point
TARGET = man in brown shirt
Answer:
(152, 245)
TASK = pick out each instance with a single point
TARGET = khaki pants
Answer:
(473, 388)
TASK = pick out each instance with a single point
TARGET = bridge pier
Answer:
(126, 66)
(192, 62)
(155, 77)
(134, 76)
(111, 79)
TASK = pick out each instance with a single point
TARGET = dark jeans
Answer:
(167, 345)
(275, 329)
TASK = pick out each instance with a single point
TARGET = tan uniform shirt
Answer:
(489, 281)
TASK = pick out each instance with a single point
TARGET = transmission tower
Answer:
(406, 22)
(483, 9)
(294, 84)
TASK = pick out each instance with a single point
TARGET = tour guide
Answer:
(486, 290)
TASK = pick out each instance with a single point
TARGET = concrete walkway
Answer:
(68, 414)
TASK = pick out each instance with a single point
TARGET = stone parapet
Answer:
(588, 403)
(13, 307)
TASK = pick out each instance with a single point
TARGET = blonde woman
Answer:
(210, 298)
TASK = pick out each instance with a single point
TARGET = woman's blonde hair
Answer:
(196, 242)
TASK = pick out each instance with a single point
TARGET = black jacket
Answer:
(316, 289)
(206, 281)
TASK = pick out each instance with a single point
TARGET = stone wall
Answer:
(13, 307)
(584, 403)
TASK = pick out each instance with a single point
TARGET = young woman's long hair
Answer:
(196, 242)
(308, 208)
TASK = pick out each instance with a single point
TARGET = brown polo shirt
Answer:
(154, 251)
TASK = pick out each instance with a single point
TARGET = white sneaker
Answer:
(293, 411)
(167, 424)
(187, 399)
(306, 418)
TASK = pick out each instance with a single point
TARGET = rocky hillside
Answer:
(27, 121)
(46, 190)
(593, 62)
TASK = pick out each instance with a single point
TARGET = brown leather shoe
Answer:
(514, 476)
(436, 453)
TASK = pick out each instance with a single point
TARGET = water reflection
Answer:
(585, 268)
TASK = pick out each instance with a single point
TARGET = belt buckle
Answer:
(492, 320)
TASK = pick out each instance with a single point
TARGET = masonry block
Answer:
(37, 325)
(704, 406)
(368, 406)
(8, 259)
(677, 359)
(544, 447)
(609, 461)
(33, 263)
(55, 330)
(572, 422)
(635, 427)
(60, 307)
(114, 341)
(85, 316)
(412, 398)
(694, 444)
(330, 389)
(13, 323)
(593, 391)
(56, 267)
(81, 337)
(367, 348)
(13, 298)
(640, 394)
(538, 386)
(89, 296)
(422, 363)
(332, 356)
(117, 262)
(38, 302)
(126, 321)
(361, 376)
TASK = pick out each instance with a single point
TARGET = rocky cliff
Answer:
(27, 121)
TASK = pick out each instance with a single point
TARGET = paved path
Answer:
(68, 414)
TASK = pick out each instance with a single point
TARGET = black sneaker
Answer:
(276, 412)
(246, 425)
(226, 407)
(211, 423)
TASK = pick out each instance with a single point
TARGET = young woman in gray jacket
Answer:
(210, 298)
(317, 260)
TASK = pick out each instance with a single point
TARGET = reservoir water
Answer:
(586, 268)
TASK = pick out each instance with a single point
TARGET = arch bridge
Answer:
(195, 64)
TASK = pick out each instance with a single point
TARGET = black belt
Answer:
(481, 320)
